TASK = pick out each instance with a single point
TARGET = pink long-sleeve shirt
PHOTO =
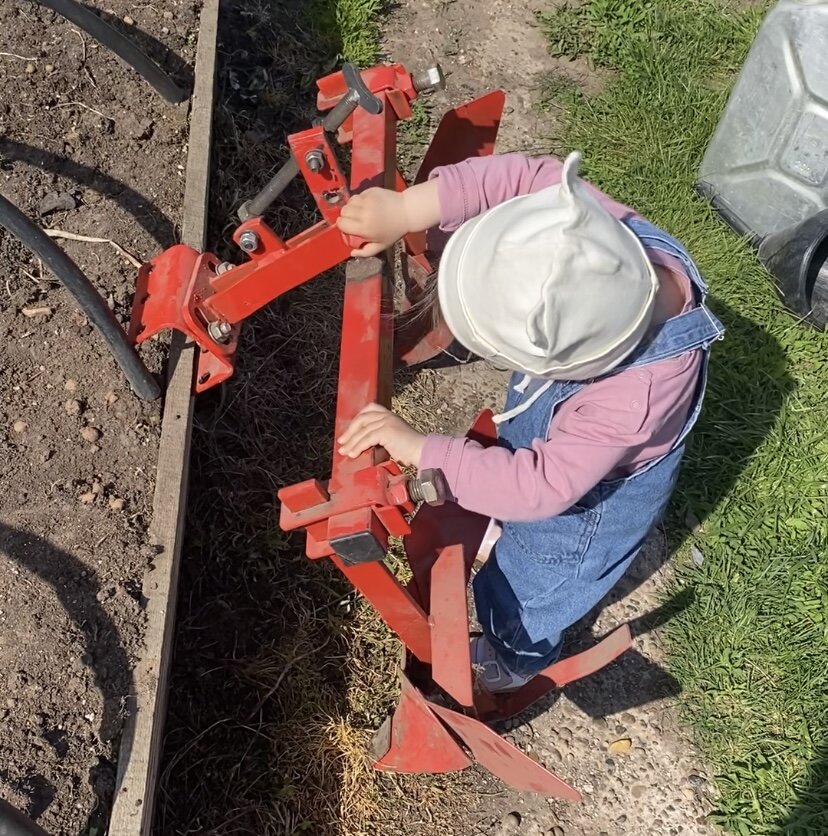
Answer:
(607, 430)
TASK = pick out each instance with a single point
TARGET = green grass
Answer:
(353, 25)
(751, 651)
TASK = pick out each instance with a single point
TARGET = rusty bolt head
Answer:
(430, 487)
(249, 241)
(429, 79)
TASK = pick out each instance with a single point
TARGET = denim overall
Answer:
(545, 575)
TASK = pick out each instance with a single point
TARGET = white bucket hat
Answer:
(548, 284)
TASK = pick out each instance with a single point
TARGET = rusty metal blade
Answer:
(567, 670)
(502, 759)
(414, 739)
(467, 131)
(589, 661)
(450, 652)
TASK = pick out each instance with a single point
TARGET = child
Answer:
(601, 317)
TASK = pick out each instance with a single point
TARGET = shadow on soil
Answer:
(166, 58)
(149, 216)
(77, 588)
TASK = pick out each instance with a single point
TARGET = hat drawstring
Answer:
(523, 406)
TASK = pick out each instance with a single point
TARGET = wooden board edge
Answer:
(142, 741)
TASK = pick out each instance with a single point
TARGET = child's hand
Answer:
(375, 426)
(377, 215)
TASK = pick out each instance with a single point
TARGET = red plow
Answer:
(443, 720)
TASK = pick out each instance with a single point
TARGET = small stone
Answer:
(588, 788)
(50, 68)
(688, 793)
(168, 15)
(628, 718)
(557, 830)
(129, 21)
(116, 503)
(165, 30)
(696, 781)
(620, 746)
(20, 426)
(56, 202)
(90, 197)
(45, 456)
(30, 68)
(638, 790)
(90, 434)
(696, 556)
(111, 398)
(71, 385)
(72, 407)
(87, 498)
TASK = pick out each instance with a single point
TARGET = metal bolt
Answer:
(249, 241)
(224, 267)
(430, 79)
(332, 197)
(315, 160)
(430, 487)
(220, 330)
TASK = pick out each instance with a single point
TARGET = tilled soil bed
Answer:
(88, 148)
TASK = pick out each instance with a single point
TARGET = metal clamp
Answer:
(358, 95)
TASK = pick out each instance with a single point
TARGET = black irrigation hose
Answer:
(120, 45)
(92, 303)
(14, 823)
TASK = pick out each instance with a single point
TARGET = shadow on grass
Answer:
(748, 384)
(810, 815)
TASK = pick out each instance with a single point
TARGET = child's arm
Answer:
(383, 216)
(469, 188)
(452, 195)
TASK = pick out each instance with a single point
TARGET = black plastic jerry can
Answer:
(797, 257)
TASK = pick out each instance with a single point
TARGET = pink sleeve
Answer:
(620, 422)
(475, 185)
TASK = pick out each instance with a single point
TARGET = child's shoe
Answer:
(491, 673)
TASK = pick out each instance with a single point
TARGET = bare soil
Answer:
(79, 129)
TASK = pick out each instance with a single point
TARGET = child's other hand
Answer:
(377, 215)
(375, 426)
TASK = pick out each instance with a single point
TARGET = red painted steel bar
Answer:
(365, 376)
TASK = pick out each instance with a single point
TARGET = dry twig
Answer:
(89, 239)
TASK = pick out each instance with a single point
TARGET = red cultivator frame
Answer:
(439, 725)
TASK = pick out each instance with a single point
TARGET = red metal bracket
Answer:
(207, 301)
